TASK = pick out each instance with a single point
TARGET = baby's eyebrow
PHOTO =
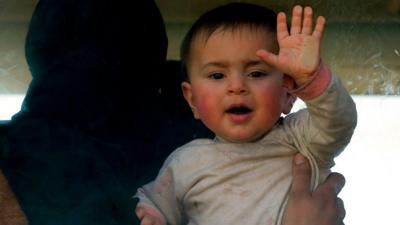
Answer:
(255, 63)
(214, 64)
(222, 64)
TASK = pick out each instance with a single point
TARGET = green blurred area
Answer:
(335, 10)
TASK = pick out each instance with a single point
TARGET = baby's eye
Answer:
(257, 74)
(216, 76)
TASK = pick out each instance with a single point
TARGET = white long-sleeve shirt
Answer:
(215, 182)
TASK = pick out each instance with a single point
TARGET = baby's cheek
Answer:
(206, 104)
(272, 99)
(205, 107)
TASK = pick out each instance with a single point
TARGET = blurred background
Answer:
(361, 43)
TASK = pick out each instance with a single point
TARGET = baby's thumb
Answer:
(268, 57)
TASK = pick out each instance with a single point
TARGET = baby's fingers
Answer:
(319, 27)
(307, 21)
(140, 212)
(149, 220)
(268, 57)
(297, 13)
(281, 27)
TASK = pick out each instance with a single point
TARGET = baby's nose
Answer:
(237, 85)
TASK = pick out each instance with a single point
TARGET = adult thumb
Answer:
(301, 172)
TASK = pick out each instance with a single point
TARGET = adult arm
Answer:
(10, 210)
(318, 207)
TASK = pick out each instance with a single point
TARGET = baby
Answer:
(243, 70)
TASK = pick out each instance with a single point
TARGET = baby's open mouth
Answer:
(239, 110)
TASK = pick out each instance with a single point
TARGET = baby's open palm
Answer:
(299, 51)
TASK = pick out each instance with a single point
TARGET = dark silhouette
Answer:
(103, 111)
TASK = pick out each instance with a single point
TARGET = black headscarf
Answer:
(96, 64)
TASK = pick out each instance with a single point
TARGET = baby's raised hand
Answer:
(299, 51)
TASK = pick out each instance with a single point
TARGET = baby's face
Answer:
(234, 93)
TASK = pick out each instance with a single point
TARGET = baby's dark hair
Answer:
(229, 16)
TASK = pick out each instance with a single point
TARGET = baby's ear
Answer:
(288, 85)
(288, 82)
(289, 102)
(187, 93)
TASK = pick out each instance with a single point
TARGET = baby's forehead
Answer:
(204, 35)
(234, 29)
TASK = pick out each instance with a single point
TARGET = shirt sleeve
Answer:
(328, 123)
(162, 197)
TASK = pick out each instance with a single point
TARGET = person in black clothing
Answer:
(97, 119)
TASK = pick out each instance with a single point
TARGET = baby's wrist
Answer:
(315, 84)
(307, 78)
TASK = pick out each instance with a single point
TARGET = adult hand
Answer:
(320, 207)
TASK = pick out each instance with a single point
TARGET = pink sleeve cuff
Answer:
(152, 212)
(316, 85)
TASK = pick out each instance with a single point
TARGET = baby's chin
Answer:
(243, 138)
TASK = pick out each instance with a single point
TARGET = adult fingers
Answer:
(341, 209)
(334, 182)
(301, 176)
